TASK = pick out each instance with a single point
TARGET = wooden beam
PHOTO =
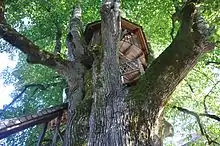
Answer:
(126, 48)
(57, 129)
(39, 143)
(129, 72)
(141, 67)
(139, 55)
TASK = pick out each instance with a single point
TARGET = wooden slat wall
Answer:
(133, 46)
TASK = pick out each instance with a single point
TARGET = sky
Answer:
(5, 90)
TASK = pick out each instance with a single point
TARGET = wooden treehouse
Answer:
(133, 53)
(133, 49)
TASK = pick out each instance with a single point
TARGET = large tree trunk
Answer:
(107, 124)
(133, 116)
(114, 120)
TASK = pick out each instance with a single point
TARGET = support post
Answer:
(40, 140)
(57, 130)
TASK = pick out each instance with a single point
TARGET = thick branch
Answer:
(166, 72)
(34, 53)
(109, 94)
(74, 42)
(76, 79)
(111, 29)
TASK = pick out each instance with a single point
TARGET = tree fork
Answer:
(165, 73)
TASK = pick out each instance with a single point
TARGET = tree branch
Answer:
(204, 100)
(76, 79)
(39, 86)
(211, 116)
(190, 86)
(74, 40)
(2, 9)
(196, 115)
(204, 75)
(212, 62)
(166, 72)
(193, 114)
(34, 54)
(58, 35)
(58, 39)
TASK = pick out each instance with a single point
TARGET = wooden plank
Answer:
(143, 41)
(139, 55)
(132, 71)
(54, 141)
(141, 67)
(126, 46)
(22, 119)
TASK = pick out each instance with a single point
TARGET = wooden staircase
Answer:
(14, 125)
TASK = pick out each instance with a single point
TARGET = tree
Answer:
(114, 114)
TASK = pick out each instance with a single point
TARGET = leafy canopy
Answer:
(38, 20)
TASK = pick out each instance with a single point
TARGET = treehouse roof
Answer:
(125, 24)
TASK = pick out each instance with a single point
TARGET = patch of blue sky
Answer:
(5, 90)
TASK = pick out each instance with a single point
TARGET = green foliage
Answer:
(200, 84)
(37, 20)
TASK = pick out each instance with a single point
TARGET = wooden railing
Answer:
(14, 125)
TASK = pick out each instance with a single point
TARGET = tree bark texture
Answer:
(111, 123)
(106, 119)
(74, 74)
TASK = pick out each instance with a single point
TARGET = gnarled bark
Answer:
(106, 119)
(74, 74)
